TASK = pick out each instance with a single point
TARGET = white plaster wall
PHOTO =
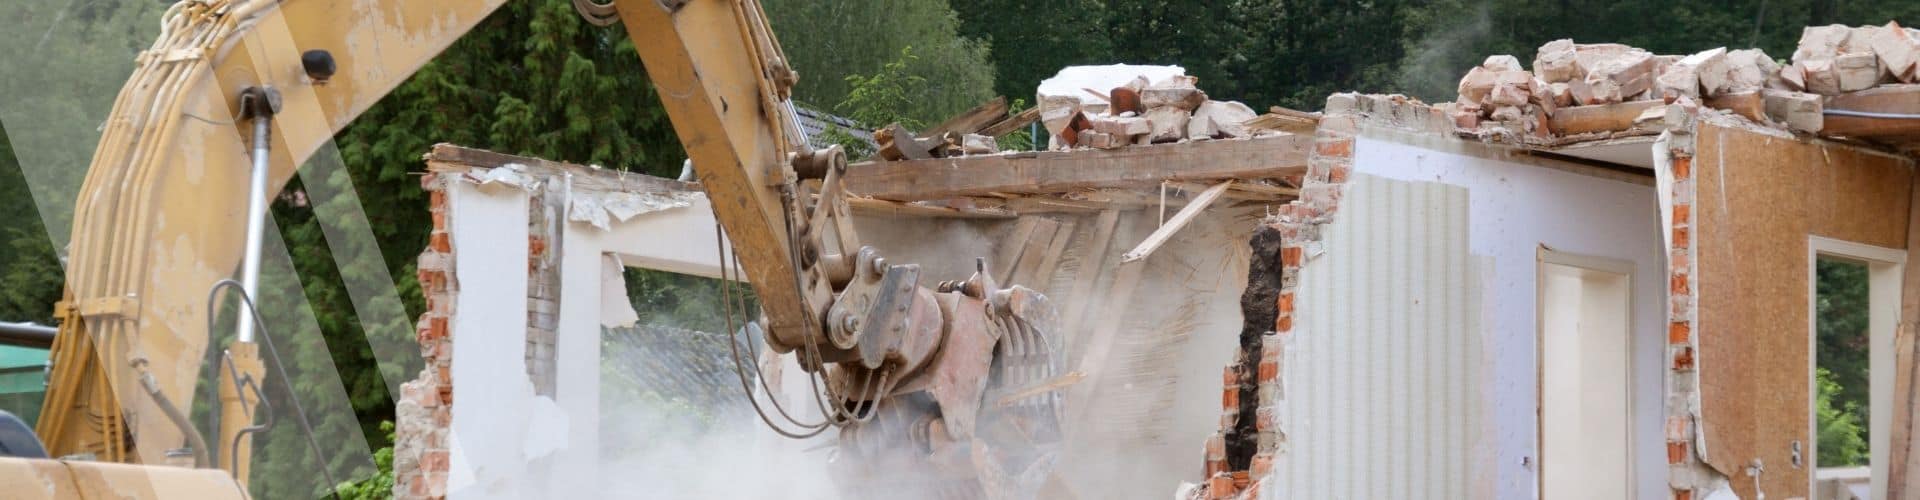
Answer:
(1511, 208)
(491, 417)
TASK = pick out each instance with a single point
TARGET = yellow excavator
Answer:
(235, 94)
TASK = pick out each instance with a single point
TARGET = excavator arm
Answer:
(237, 93)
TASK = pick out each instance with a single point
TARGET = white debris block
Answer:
(1747, 71)
(1476, 85)
(1799, 111)
(1502, 63)
(1511, 88)
(1178, 91)
(1616, 74)
(1169, 124)
(1071, 80)
(1056, 111)
(1822, 42)
(976, 144)
(1554, 61)
(1820, 76)
(1122, 126)
(1220, 119)
(1703, 72)
(1586, 57)
(1898, 50)
(1856, 71)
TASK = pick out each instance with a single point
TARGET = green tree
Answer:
(826, 41)
(1030, 40)
(1842, 437)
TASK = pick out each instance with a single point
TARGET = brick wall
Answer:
(1256, 370)
(1688, 476)
(424, 412)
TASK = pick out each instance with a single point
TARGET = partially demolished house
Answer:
(1590, 279)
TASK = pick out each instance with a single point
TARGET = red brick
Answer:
(1230, 397)
(1241, 479)
(434, 461)
(1284, 324)
(1682, 214)
(1290, 256)
(536, 246)
(436, 198)
(1342, 148)
(1269, 371)
(1230, 375)
(1338, 174)
(1683, 359)
(1676, 451)
(1216, 447)
(430, 182)
(440, 242)
(1677, 284)
(1682, 167)
(1286, 302)
(1262, 464)
(1678, 333)
(1680, 237)
(1682, 494)
(1220, 487)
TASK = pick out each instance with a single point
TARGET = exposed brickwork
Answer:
(1297, 225)
(1688, 475)
(420, 453)
(543, 286)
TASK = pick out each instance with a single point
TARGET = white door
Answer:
(1584, 379)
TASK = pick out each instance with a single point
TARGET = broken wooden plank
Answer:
(1089, 272)
(898, 143)
(869, 206)
(1058, 383)
(1042, 279)
(1748, 104)
(1009, 124)
(972, 120)
(1895, 99)
(1010, 247)
(1179, 220)
(1100, 341)
(1598, 117)
(1032, 252)
(1061, 171)
(1285, 120)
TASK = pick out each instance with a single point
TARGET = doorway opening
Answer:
(1585, 352)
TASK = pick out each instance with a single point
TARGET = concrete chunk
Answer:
(1898, 51)
(1797, 110)
(1168, 124)
(1856, 71)
(1554, 61)
(1220, 119)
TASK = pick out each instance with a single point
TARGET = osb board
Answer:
(1757, 199)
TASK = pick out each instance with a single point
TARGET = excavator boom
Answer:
(237, 93)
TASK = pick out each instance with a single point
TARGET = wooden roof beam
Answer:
(1062, 171)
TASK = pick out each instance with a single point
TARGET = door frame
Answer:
(1885, 268)
(1625, 268)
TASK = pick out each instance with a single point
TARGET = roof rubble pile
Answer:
(970, 133)
(1588, 91)
(1142, 110)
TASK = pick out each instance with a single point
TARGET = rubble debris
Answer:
(1607, 88)
(1220, 120)
(1837, 59)
(1280, 119)
(1142, 110)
